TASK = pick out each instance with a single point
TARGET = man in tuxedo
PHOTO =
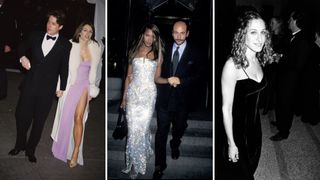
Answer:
(49, 56)
(181, 65)
(290, 76)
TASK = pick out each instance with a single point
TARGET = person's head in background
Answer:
(276, 25)
(297, 21)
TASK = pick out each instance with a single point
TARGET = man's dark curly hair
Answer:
(238, 44)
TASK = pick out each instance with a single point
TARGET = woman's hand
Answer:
(174, 81)
(59, 93)
(233, 153)
(123, 104)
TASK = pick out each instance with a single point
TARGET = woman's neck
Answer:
(251, 55)
(82, 42)
(146, 48)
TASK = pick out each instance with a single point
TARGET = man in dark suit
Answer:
(49, 56)
(290, 76)
(182, 66)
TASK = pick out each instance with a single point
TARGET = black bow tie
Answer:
(50, 37)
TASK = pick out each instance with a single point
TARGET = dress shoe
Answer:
(278, 137)
(14, 152)
(31, 158)
(157, 174)
(175, 153)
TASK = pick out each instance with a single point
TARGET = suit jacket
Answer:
(291, 71)
(42, 78)
(188, 71)
(294, 63)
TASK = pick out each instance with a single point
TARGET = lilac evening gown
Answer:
(63, 148)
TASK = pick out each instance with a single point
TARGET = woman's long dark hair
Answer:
(238, 44)
(157, 45)
(76, 34)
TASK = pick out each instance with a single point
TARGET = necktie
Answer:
(175, 60)
(50, 37)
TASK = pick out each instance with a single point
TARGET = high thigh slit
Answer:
(63, 148)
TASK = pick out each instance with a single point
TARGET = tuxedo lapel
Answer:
(54, 48)
(39, 44)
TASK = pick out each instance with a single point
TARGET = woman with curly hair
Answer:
(242, 81)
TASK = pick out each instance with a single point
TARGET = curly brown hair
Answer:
(265, 56)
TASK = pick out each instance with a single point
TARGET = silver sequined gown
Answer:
(141, 98)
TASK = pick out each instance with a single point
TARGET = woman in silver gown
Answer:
(139, 97)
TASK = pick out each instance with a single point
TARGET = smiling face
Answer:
(148, 38)
(86, 33)
(52, 26)
(256, 35)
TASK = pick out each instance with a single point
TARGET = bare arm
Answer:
(228, 82)
(126, 85)
(157, 77)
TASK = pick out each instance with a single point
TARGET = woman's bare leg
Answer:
(78, 127)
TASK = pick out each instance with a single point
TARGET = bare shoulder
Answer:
(230, 69)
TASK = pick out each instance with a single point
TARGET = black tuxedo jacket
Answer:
(43, 76)
(294, 63)
(188, 71)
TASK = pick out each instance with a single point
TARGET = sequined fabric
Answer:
(141, 98)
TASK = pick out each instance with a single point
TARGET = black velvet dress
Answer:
(246, 129)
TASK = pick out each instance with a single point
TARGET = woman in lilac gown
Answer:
(73, 106)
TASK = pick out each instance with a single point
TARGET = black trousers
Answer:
(3, 83)
(287, 102)
(179, 125)
(31, 109)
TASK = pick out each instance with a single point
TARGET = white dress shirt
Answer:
(48, 44)
(181, 49)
